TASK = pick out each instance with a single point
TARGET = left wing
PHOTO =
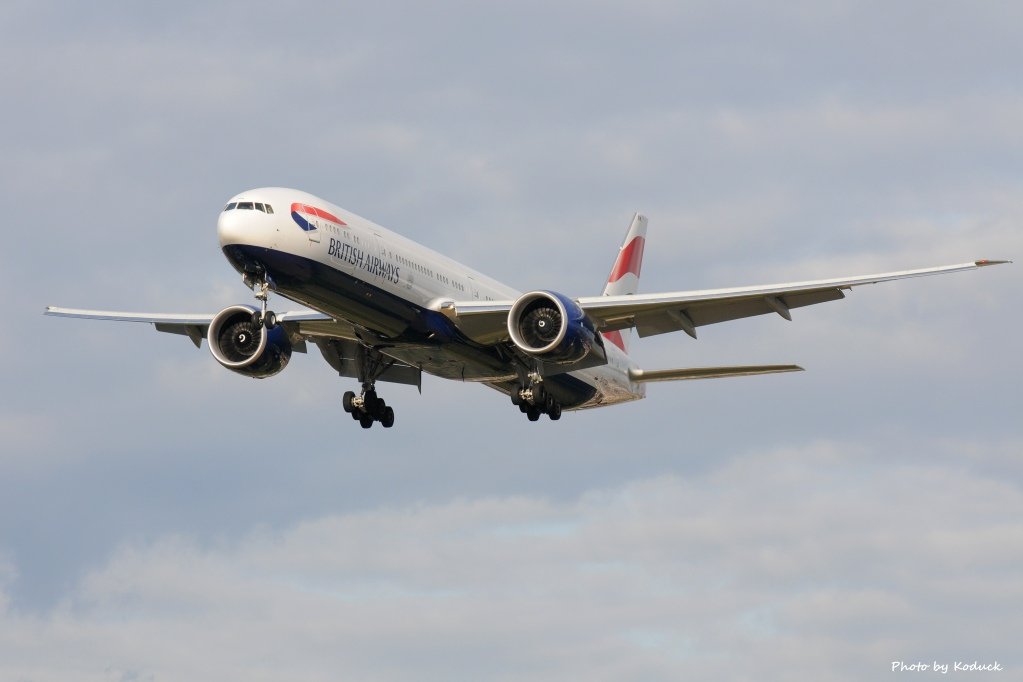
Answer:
(686, 310)
(337, 340)
(192, 325)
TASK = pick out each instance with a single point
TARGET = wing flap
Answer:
(485, 322)
(195, 332)
(344, 356)
(680, 318)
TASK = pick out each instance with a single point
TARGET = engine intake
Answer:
(239, 342)
(553, 327)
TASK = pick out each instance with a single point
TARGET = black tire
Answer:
(346, 401)
(366, 421)
(356, 415)
(514, 395)
(539, 395)
(387, 420)
(270, 321)
(554, 412)
(533, 414)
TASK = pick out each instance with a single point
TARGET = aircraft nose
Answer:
(231, 228)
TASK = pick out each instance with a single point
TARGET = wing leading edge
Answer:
(661, 313)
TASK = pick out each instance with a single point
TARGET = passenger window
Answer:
(269, 208)
(259, 207)
(231, 206)
(245, 205)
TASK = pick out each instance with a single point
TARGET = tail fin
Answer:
(624, 277)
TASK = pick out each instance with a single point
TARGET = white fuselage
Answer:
(375, 279)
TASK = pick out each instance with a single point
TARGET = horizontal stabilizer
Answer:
(681, 374)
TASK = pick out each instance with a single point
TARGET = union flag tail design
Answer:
(624, 277)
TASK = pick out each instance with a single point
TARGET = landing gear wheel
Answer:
(533, 414)
(266, 319)
(554, 412)
(515, 396)
(539, 395)
(366, 406)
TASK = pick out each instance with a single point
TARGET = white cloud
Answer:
(820, 561)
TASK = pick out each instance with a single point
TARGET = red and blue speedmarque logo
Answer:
(301, 214)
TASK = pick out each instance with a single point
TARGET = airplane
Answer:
(382, 308)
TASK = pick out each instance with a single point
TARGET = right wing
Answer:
(686, 310)
(659, 313)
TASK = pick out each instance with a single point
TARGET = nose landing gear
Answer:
(263, 283)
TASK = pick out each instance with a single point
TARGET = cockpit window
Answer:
(249, 206)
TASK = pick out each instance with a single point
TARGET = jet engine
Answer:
(554, 328)
(242, 344)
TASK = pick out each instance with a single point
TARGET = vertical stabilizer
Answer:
(624, 277)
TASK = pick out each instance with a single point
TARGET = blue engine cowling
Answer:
(555, 329)
(243, 345)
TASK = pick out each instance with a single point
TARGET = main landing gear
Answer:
(367, 407)
(533, 399)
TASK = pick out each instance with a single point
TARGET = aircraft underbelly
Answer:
(414, 335)
(410, 333)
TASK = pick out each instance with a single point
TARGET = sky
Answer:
(162, 518)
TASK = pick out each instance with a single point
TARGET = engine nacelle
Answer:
(246, 346)
(554, 328)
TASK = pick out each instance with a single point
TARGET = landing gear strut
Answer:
(533, 399)
(366, 407)
(261, 284)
